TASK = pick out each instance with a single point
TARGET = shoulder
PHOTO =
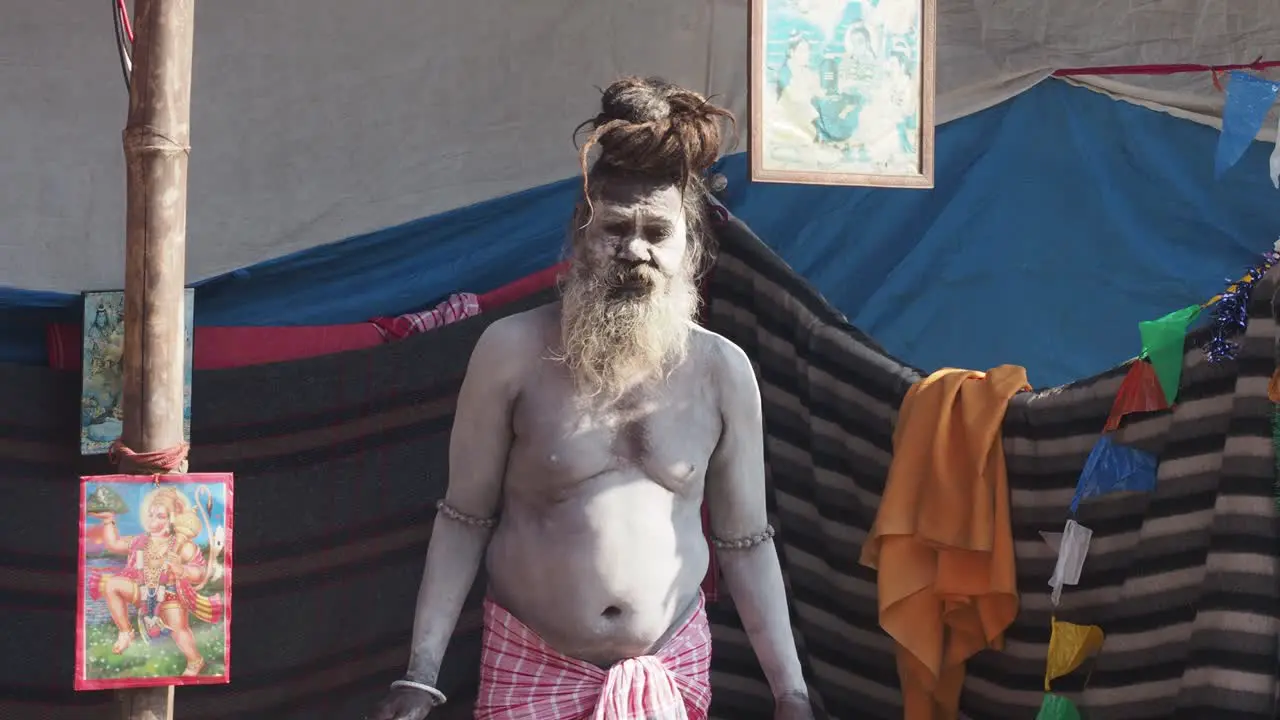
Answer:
(511, 337)
(510, 345)
(727, 364)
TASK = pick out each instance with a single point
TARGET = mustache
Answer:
(629, 275)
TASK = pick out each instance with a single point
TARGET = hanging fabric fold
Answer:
(942, 540)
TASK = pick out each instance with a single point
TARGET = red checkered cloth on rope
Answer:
(459, 306)
(522, 678)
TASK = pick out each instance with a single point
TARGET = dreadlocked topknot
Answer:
(652, 128)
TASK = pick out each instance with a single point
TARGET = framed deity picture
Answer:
(842, 92)
(102, 370)
(154, 596)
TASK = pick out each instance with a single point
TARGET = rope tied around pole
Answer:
(156, 463)
(144, 138)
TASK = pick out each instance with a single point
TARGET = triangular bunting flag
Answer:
(1069, 646)
(1073, 547)
(1249, 98)
(1114, 468)
(1056, 707)
(1163, 340)
(1140, 392)
(1275, 446)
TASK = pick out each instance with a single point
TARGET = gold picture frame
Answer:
(842, 92)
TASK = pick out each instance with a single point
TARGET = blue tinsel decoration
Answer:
(1231, 312)
(1219, 349)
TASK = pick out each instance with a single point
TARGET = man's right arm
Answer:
(478, 447)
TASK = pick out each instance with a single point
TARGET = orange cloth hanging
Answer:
(942, 539)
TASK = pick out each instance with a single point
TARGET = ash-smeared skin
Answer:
(600, 547)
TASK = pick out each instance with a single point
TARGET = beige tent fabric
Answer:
(314, 120)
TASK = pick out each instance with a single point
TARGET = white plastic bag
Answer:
(1275, 160)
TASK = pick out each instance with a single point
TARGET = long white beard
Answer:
(609, 343)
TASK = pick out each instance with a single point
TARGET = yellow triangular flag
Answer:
(1069, 646)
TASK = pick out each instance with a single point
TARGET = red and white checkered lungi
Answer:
(522, 678)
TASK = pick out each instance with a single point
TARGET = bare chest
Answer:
(665, 434)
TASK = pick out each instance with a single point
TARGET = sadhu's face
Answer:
(638, 242)
(157, 518)
(630, 295)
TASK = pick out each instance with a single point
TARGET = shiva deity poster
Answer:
(842, 92)
(102, 370)
(154, 595)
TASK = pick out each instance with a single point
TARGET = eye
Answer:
(658, 233)
(616, 229)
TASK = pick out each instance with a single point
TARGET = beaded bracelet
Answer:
(745, 543)
(456, 515)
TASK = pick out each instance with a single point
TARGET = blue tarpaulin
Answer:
(1060, 219)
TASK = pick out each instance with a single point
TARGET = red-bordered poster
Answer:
(154, 603)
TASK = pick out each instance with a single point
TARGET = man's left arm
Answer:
(740, 528)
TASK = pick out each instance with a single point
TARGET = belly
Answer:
(605, 573)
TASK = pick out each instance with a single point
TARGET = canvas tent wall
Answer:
(319, 121)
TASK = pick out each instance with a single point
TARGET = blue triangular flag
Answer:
(1114, 468)
(1249, 98)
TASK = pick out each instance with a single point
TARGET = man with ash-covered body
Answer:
(587, 434)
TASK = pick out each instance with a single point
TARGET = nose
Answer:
(634, 250)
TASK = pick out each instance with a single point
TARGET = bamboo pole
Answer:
(156, 144)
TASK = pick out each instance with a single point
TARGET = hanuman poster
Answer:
(154, 603)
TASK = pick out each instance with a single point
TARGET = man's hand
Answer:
(406, 704)
(793, 707)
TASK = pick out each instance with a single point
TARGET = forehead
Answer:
(626, 197)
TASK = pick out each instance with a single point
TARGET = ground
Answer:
(159, 659)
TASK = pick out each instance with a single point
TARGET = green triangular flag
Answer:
(1162, 344)
(1056, 707)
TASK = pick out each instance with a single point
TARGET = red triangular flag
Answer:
(1140, 392)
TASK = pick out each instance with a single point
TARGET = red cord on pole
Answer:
(161, 461)
(124, 16)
